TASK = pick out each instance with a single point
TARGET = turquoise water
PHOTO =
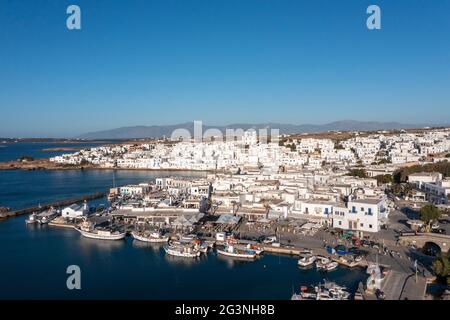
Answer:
(33, 259)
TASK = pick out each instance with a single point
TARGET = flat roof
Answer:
(370, 201)
(424, 174)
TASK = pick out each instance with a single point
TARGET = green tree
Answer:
(292, 146)
(442, 167)
(384, 178)
(361, 173)
(441, 266)
(84, 162)
(428, 213)
(384, 161)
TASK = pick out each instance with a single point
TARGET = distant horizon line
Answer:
(78, 137)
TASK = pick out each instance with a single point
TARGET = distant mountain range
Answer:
(138, 132)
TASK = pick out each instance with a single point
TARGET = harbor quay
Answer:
(374, 202)
(193, 216)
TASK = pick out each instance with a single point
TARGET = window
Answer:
(370, 211)
(353, 209)
(362, 209)
(370, 226)
(306, 210)
(340, 223)
(361, 225)
(326, 210)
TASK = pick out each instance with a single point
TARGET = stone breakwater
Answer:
(54, 204)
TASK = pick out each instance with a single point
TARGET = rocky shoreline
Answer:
(40, 164)
(46, 164)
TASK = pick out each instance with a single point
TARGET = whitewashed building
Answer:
(75, 211)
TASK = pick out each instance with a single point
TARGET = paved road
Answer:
(400, 282)
(413, 290)
(393, 285)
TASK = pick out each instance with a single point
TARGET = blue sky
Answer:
(145, 62)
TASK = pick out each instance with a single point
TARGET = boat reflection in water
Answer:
(94, 244)
(233, 262)
(153, 246)
(182, 261)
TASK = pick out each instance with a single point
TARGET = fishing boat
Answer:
(32, 218)
(89, 231)
(325, 264)
(153, 237)
(331, 266)
(182, 251)
(47, 216)
(231, 251)
(249, 248)
(331, 291)
(306, 261)
(321, 261)
(322, 291)
(306, 293)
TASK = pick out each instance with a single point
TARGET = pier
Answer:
(54, 204)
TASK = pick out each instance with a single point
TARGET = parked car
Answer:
(269, 240)
(440, 231)
(435, 226)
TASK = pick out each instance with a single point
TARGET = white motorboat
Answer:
(332, 291)
(322, 291)
(306, 261)
(31, 219)
(326, 265)
(231, 251)
(47, 216)
(321, 262)
(331, 266)
(182, 251)
(154, 237)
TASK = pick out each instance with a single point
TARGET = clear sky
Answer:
(221, 61)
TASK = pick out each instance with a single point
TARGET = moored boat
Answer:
(306, 261)
(182, 251)
(47, 216)
(231, 251)
(331, 266)
(103, 234)
(89, 231)
(153, 237)
(322, 291)
(31, 218)
(325, 264)
(321, 261)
